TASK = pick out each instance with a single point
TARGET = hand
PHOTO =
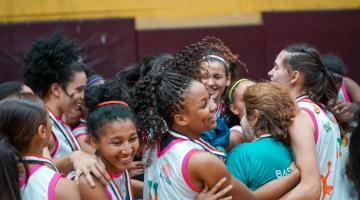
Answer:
(137, 167)
(214, 194)
(88, 165)
(346, 109)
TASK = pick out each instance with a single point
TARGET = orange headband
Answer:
(113, 102)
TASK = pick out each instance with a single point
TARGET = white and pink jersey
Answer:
(119, 187)
(342, 94)
(166, 177)
(65, 140)
(328, 147)
(41, 183)
(80, 130)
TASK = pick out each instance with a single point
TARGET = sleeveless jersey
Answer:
(41, 183)
(65, 140)
(328, 147)
(119, 187)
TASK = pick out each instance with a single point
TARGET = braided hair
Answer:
(159, 96)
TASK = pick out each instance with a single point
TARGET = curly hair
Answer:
(51, 60)
(218, 48)
(159, 95)
(275, 109)
(99, 116)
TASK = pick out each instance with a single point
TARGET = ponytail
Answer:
(318, 81)
(9, 172)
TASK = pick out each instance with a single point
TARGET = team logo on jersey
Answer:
(166, 173)
(327, 127)
(316, 109)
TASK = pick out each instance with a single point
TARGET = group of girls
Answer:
(201, 132)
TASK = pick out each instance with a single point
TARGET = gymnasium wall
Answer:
(115, 34)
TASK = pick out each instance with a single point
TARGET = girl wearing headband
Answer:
(218, 69)
(113, 134)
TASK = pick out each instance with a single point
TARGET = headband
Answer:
(234, 86)
(217, 58)
(93, 79)
(113, 102)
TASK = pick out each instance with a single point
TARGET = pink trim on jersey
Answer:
(80, 134)
(184, 171)
(34, 168)
(115, 174)
(108, 193)
(52, 185)
(344, 91)
(316, 131)
(56, 145)
(161, 153)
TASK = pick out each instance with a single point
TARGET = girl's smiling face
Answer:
(117, 144)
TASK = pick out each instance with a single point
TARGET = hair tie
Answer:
(217, 58)
(234, 86)
(113, 102)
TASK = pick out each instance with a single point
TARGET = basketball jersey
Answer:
(328, 147)
(41, 183)
(166, 176)
(119, 187)
(65, 140)
(347, 185)
(80, 130)
(342, 94)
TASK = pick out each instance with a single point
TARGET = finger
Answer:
(88, 177)
(101, 167)
(223, 192)
(94, 170)
(217, 186)
(77, 176)
(226, 198)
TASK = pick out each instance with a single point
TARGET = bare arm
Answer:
(92, 193)
(205, 169)
(276, 188)
(66, 189)
(353, 89)
(304, 148)
(85, 146)
(137, 188)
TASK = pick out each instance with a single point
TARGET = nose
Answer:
(127, 149)
(210, 82)
(270, 73)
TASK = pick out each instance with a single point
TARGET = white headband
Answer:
(217, 58)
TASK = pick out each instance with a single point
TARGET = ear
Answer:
(295, 76)
(55, 89)
(254, 118)
(41, 132)
(228, 79)
(181, 120)
(93, 141)
(233, 109)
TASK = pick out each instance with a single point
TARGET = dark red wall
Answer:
(114, 43)
(108, 44)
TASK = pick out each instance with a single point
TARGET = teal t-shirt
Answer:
(258, 162)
